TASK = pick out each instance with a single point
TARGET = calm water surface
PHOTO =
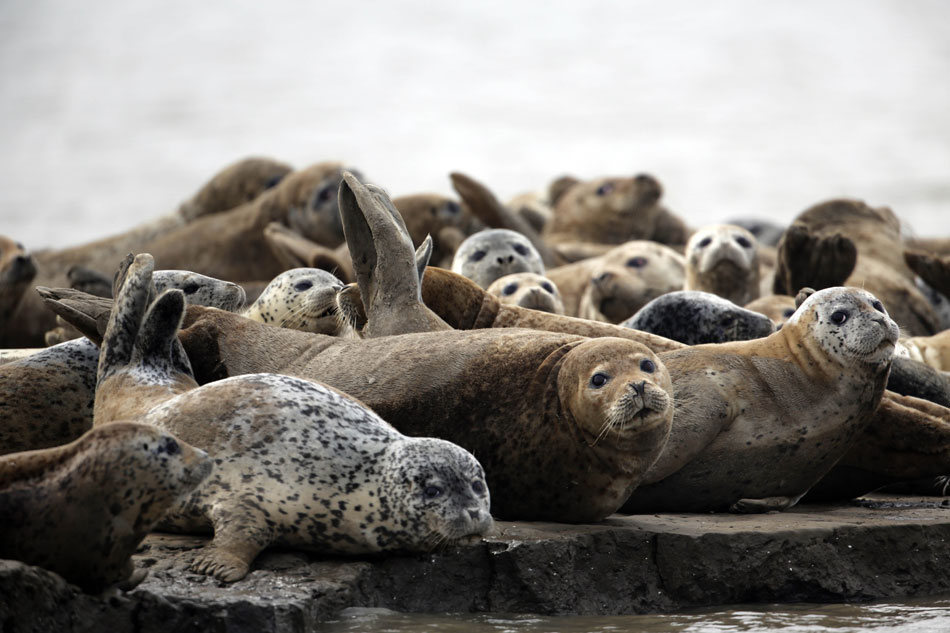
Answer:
(921, 616)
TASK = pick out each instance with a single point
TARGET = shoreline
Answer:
(878, 547)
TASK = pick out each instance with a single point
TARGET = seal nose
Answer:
(638, 387)
(474, 513)
(509, 259)
(603, 278)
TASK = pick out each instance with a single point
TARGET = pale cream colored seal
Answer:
(528, 290)
(723, 259)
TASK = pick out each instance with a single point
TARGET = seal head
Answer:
(493, 253)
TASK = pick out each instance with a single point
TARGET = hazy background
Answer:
(114, 111)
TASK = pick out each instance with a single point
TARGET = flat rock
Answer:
(874, 548)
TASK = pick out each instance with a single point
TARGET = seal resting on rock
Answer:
(82, 509)
(723, 259)
(694, 317)
(297, 463)
(528, 290)
(759, 422)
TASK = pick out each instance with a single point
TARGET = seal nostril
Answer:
(500, 260)
(474, 513)
(602, 277)
(638, 387)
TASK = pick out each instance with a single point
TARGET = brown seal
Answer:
(723, 259)
(847, 242)
(779, 308)
(17, 270)
(759, 422)
(81, 509)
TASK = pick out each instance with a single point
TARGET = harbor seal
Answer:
(779, 308)
(723, 259)
(297, 463)
(301, 299)
(81, 509)
(760, 422)
(626, 278)
(528, 290)
(443, 218)
(694, 317)
(493, 253)
(17, 270)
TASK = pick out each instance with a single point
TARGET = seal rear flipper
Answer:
(158, 337)
(806, 258)
(87, 313)
(384, 262)
(134, 283)
(485, 206)
(293, 250)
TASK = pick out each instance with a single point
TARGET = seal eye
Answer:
(788, 312)
(477, 256)
(647, 365)
(637, 262)
(521, 249)
(432, 492)
(170, 446)
(509, 289)
(324, 194)
(877, 305)
(598, 380)
(452, 208)
(839, 317)
(190, 288)
(704, 242)
(300, 286)
(478, 487)
(743, 241)
(270, 184)
(547, 287)
(604, 189)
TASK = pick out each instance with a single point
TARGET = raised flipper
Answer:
(485, 206)
(933, 269)
(87, 313)
(810, 259)
(384, 262)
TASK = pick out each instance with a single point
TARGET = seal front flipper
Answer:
(761, 506)
(384, 262)
(240, 534)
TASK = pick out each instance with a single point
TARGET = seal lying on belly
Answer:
(296, 463)
(759, 422)
(81, 509)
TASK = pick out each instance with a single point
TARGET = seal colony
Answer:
(329, 444)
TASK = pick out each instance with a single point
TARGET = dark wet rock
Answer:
(883, 547)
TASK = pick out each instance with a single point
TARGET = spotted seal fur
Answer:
(301, 299)
(694, 317)
(82, 509)
(298, 464)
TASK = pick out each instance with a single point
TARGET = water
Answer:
(932, 616)
(114, 111)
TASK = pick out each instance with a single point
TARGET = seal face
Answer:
(528, 290)
(493, 253)
(759, 422)
(81, 509)
(301, 299)
(723, 259)
(628, 277)
(694, 317)
(200, 289)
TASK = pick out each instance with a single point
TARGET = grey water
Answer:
(115, 111)
(112, 112)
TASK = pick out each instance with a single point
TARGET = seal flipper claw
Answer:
(240, 534)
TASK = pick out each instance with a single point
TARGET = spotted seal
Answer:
(301, 299)
(694, 317)
(297, 463)
(723, 259)
(17, 270)
(759, 422)
(528, 290)
(81, 509)
(493, 253)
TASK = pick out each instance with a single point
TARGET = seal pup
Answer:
(528, 290)
(723, 259)
(297, 464)
(493, 253)
(301, 299)
(81, 509)
(17, 270)
(626, 278)
(760, 422)
(694, 317)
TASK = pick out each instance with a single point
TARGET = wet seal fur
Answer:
(82, 509)
(528, 290)
(493, 253)
(694, 317)
(301, 299)
(723, 259)
(759, 422)
(297, 463)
